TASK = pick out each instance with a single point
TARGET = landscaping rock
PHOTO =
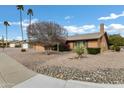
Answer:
(108, 75)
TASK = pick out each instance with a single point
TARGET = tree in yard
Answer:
(6, 25)
(116, 40)
(30, 13)
(47, 33)
(21, 8)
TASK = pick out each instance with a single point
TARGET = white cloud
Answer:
(68, 17)
(122, 34)
(25, 23)
(80, 29)
(117, 27)
(112, 16)
(18, 38)
(111, 29)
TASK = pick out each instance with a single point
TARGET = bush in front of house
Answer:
(115, 48)
(62, 47)
(116, 40)
(17, 46)
(23, 50)
(93, 50)
(79, 51)
(112, 47)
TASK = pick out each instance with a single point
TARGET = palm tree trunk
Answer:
(6, 37)
(21, 27)
(3, 42)
(30, 29)
(30, 19)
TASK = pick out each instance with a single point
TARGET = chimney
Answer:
(101, 28)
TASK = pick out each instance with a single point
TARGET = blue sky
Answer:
(76, 19)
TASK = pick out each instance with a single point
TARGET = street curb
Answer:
(43, 81)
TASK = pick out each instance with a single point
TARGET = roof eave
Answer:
(83, 39)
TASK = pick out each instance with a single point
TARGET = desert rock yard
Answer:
(102, 68)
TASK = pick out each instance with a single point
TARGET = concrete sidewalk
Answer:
(42, 81)
(12, 72)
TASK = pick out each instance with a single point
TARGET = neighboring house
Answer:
(17, 43)
(92, 40)
(12, 45)
(3, 43)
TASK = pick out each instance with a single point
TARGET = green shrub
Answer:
(79, 51)
(93, 50)
(112, 47)
(17, 45)
(23, 50)
(115, 48)
(62, 47)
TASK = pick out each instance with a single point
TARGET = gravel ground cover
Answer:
(107, 76)
(102, 68)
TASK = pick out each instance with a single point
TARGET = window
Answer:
(79, 43)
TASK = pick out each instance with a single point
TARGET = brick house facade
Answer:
(92, 40)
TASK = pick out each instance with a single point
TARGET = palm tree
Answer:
(6, 25)
(30, 13)
(21, 8)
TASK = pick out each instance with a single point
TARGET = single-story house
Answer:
(3, 43)
(91, 40)
(12, 45)
(15, 43)
(18, 43)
